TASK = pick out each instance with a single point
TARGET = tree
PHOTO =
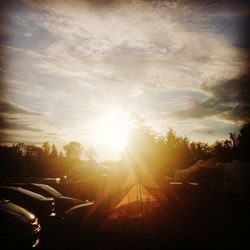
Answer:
(234, 139)
(90, 154)
(171, 137)
(32, 151)
(18, 149)
(200, 150)
(54, 152)
(73, 150)
(61, 154)
(244, 143)
(222, 150)
(46, 148)
(140, 151)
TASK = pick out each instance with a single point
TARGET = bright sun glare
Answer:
(113, 130)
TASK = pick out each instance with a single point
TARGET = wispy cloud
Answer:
(204, 131)
(166, 60)
(11, 108)
(138, 41)
(15, 117)
(14, 125)
(228, 99)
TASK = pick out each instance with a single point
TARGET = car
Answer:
(62, 203)
(76, 215)
(76, 220)
(78, 211)
(18, 227)
(39, 205)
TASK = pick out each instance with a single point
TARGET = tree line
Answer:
(30, 160)
(145, 148)
(167, 153)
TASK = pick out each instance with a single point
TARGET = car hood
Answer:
(12, 210)
(78, 210)
(63, 203)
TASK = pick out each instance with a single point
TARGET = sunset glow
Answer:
(112, 131)
(137, 112)
(173, 63)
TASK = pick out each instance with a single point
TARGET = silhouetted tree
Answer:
(73, 150)
(155, 154)
(158, 154)
(54, 152)
(140, 152)
(46, 148)
(200, 151)
(222, 150)
(244, 143)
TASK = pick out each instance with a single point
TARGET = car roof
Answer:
(47, 188)
(24, 192)
(79, 208)
(40, 188)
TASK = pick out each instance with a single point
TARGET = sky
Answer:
(65, 66)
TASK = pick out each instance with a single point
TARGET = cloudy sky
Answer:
(64, 65)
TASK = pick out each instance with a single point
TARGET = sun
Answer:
(112, 130)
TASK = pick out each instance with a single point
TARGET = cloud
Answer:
(129, 43)
(15, 125)
(17, 118)
(72, 61)
(228, 100)
(11, 108)
(204, 131)
(154, 43)
(26, 137)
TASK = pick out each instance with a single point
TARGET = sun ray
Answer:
(112, 130)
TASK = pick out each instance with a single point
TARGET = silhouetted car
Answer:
(18, 227)
(76, 215)
(62, 203)
(54, 182)
(36, 203)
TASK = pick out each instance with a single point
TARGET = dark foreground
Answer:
(155, 225)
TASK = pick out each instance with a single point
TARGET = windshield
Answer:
(20, 191)
(49, 189)
(30, 193)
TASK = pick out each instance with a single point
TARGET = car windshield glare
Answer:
(49, 189)
(24, 192)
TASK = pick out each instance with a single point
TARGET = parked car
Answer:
(18, 226)
(36, 203)
(75, 216)
(62, 203)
